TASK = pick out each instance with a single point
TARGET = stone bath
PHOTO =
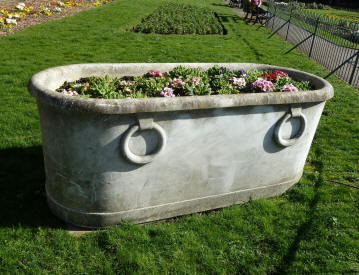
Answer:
(142, 160)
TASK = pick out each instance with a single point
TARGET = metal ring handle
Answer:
(289, 142)
(146, 158)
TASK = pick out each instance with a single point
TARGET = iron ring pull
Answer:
(295, 113)
(144, 125)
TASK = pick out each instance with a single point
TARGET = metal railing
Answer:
(331, 42)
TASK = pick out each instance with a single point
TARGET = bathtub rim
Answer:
(38, 87)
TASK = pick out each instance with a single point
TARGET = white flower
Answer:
(241, 82)
(61, 4)
(57, 9)
(11, 21)
(68, 93)
(9, 16)
(20, 6)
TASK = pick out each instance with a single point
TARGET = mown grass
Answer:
(313, 228)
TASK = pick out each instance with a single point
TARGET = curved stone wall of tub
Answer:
(209, 153)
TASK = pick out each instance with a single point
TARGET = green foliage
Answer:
(103, 87)
(186, 73)
(303, 85)
(174, 18)
(193, 81)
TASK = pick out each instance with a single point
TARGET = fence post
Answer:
(269, 13)
(315, 31)
(290, 18)
(354, 68)
(274, 14)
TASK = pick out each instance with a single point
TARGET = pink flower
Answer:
(155, 73)
(196, 80)
(167, 92)
(128, 90)
(289, 88)
(263, 85)
(177, 83)
(123, 82)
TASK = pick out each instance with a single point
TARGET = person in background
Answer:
(255, 6)
(256, 3)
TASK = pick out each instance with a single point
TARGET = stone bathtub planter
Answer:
(141, 160)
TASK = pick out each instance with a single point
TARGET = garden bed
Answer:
(28, 13)
(173, 18)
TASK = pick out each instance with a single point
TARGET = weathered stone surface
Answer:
(216, 150)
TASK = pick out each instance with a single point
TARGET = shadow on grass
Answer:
(305, 227)
(22, 189)
(219, 5)
(229, 18)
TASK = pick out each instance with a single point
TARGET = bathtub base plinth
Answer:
(169, 210)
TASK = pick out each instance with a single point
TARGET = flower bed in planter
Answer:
(183, 81)
(144, 159)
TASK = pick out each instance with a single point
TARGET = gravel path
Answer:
(6, 1)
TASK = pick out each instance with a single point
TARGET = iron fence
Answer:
(332, 42)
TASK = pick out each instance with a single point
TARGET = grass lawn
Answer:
(313, 228)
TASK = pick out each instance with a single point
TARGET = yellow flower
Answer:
(28, 9)
(97, 3)
(4, 11)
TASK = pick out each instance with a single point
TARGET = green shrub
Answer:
(173, 18)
